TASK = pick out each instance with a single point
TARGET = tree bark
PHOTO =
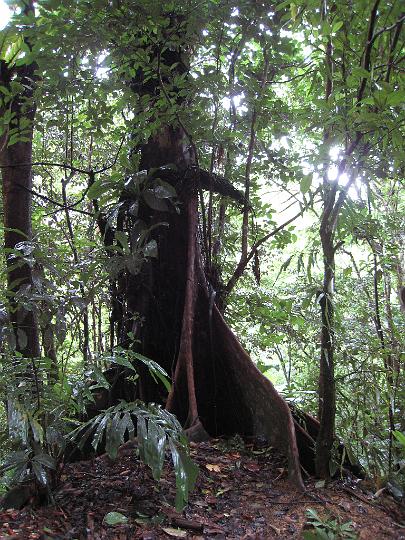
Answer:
(15, 160)
(327, 390)
(216, 389)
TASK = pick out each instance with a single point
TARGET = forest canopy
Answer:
(203, 209)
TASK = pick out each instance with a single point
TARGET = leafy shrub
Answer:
(327, 529)
(156, 429)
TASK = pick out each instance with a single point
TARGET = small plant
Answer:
(400, 437)
(156, 430)
(22, 462)
(327, 528)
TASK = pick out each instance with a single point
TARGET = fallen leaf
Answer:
(115, 518)
(149, 535)
(178, 533)
(201, 504)
(380, 491)
(222, 491)
(252, 466)
(213, 467)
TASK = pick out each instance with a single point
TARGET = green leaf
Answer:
(113, 436)
(347, 272)
(186, 474)
(150, 249)
(46, 460)
(99, 431)
(40, 473)
(15, 459)
(283, 5)
(396, 98)
(37, 430)
(400, 437)
(122, 238)
(115, 518)
(155, 370)
(305, 183)
(126, 424)
(142, 435)
(153, 202)
(310, 535)
(100, 378)
(99, 187)
(154, 448)
(121, 360)
(164, 190)
(337, 26)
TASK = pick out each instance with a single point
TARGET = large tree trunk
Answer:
(16, 171)
(167, 309)
(15, 160)
(17, 229)
(216, 388)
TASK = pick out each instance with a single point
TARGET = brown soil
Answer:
(241, 493)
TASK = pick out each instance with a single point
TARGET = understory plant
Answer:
(39, 417)
(327, 528)
(157, 430)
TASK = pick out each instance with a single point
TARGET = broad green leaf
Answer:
(337, 26)
(164, 190)
(121, 360)
(115, 518)
(155, 369)
(396, 98)
(186, 475)
(305, 183)
(46, 460)
(98, 188)
(400, 437)
(37, 429)
(112, 436)
(122, 238)
(40, 472)
(99, 431)
(154, 202)
(142, 435)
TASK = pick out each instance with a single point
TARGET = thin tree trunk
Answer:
(327, 385)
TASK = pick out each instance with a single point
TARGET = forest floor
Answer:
(241, 493)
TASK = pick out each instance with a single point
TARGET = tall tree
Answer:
(169, 311)
(18, 79)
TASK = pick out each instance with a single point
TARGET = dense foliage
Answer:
(301, 106)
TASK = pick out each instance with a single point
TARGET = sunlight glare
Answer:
(332, 173)
(226, 102)
(5, 14)
(334, 152)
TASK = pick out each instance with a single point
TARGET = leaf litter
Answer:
(239, 495)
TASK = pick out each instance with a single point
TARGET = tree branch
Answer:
(51, 201)
(245, 261)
